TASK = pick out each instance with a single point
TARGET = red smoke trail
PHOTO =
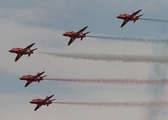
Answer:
(118, 104)
(112, 81)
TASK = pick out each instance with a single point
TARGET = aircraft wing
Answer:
(37, 107)
(71, 40)
(18, 57)
(28, 83)
(135, 13)
(28, 47)
(125, 22)
(80, 31)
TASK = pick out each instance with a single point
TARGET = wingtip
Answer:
(32, 44)
(26, 85)
(140, 10)
(52, 95)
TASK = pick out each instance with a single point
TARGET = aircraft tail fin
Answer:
(138, 17)
(31, 52)
(41, 78)
(84, 35)
(50, 102)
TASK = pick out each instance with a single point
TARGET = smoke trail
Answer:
(112, 81)
(154, 20)
(131, 39)
(119, 104)
(112, 57)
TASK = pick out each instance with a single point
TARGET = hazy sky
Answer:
(43, 22)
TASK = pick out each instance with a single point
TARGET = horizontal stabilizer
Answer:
(140, 15)
(34, 49)
(52, 100)
(86, 32)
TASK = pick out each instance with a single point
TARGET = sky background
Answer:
(43, 22)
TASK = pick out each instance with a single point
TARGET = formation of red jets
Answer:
(73, 35)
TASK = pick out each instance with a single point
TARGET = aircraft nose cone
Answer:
(64, 34)
(32, 101)
(10, 50)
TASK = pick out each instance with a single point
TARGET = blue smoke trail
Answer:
(131, 39)
(157, 92)
(154, 20)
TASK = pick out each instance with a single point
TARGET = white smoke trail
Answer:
(154, 20)
(112, 81)
(112, 57)
(119, 104)
(129, 39)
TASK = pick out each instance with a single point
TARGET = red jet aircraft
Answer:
(73, 35)
(32, 78)
(127, 17)
(41, 102)
(22, 51)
